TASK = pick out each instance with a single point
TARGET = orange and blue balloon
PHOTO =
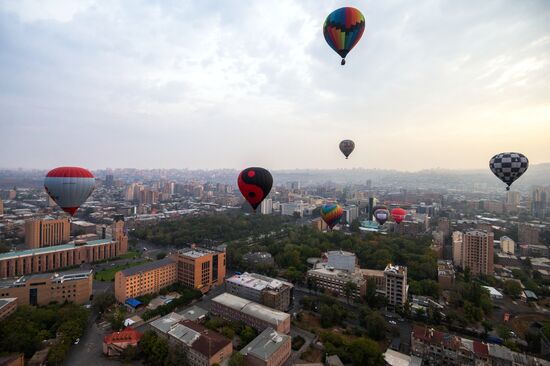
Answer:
(343, 28)
(331, 214)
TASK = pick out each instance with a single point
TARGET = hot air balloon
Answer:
(255, 184)
(398, 214)
(69, 187)
(343, 28)
(381, 215)
(346, 147)
(509, 166)
(331, 213)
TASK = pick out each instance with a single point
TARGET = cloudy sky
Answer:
(229, 84)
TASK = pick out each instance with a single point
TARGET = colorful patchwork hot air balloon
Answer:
(398, 214)
(347, 147)
(343, 28)
(255, 184)
(69, 187)
(381, 215)
(509, 166)
(331, 214)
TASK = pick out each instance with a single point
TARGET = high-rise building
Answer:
(513, 198)
(477, 252)
(342, 260)
(457, 248)
(397, 288)
(145, 279)
(507, 245)
(528, 234)
(200, 268)
(109, 180)
(47, 232)
(351, 213)
(1, 207)
(539, 200)
(444, 226)
(266, 207)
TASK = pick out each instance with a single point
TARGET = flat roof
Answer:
(52, 249)
(266, 344)
(257, 282)
(165, 323)
(147, 266)
(493, 291)
(193, 313)
(195, 252)
(251, 308)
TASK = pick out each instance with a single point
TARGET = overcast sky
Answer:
(230, 84)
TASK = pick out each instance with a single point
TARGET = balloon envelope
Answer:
(509, 166)
(331, 214)
(343, 28)
(398, 214)
(346, 147)
(69, 187)
(255, 184)
(381, 215)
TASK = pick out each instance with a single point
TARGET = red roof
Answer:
(128, 335)
(70, 172)
(436, 337)
(481, 349)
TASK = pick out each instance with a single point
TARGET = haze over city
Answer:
(232, 84)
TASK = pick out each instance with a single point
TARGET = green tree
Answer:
(247, 335)
(227, 332)
(103, 301)
(154, 348)
(57, 353)
(237, 359)
(364, 351)
(512, 288)
(376, 325)
(161, 255)
(176, 357)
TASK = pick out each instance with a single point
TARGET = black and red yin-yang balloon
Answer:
(255, 184)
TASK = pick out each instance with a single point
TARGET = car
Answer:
(77, 341)
(392, 322)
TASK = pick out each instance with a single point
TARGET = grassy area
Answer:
(130, 255)
(109, 274)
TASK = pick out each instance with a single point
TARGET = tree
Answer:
(247, 335)
(103, 301)
(161, 255)
(176, 357)
(129, 353)
(370, 295)
(57, 353)
(154, 348)
(227, 332)
(364, 351)
(349, 289)
(512, 288)
(376, 325)
(236, 359)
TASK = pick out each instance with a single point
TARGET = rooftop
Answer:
(165, 323)
(256, 281)
(147, 266)
(395, 269)
(209, 343)
(128, 335)
(251, 308)
(6, 300)
(52, 249)
(265, 344)
(341, 253)
(56, 277)
(195, 252)
(193, 313)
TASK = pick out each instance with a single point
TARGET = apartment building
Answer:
(265, 290)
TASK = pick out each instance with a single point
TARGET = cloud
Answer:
(209, 84)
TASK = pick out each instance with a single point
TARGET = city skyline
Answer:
(131, 85)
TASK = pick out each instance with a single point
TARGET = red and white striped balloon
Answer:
(69, 187)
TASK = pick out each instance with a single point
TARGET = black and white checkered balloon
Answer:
(509, 166)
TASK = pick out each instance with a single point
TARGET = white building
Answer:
(507, 245)
(458, 238)
(351, 213)
(396, 285)
(290, 208)
(342, 260)
(266, 207)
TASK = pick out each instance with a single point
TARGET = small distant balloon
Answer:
(331, 214)
(381, 215)
(255, 184)
(509, 166)
(69, 187)
(347, 147)
(398, 214)
(343, 29)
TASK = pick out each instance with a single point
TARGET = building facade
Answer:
(445, 274)
(477, 252)
(458, 238)
(267, 291)
(396, 285)
(507, 245)
(41, 289)
(377, 276)
(269, 348)
(259, 317)
(334, 280)
(47, 232)
(200, 268)
(145, 279)
(528, 234)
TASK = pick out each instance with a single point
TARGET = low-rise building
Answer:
(41, 289)
(445, 274)
(257, 316)
(268, 291)
(115, 343)
(377, 276)
(145, 279)
(334, 280)
(269, 348)
(8, 306)
(194, 313)
(15, 359)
